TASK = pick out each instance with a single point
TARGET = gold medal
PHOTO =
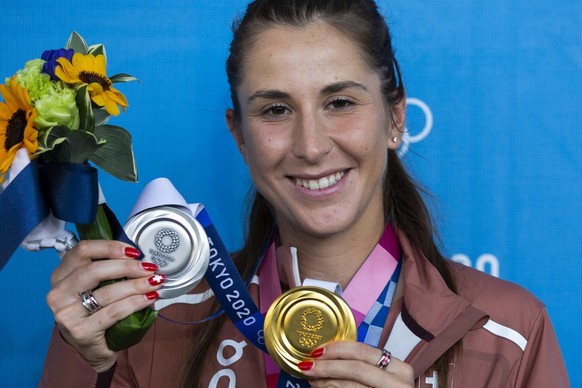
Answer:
(301, 320)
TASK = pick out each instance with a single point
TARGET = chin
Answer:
(323, 226)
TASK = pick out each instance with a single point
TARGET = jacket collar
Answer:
(432, 318)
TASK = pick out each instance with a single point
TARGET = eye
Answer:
(341, 103)
(275, 110)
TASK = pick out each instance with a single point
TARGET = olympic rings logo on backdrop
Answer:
(407, 138)
(487, 263)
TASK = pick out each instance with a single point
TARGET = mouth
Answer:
(321, 183)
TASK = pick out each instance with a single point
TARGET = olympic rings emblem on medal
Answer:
(407, 138)
(167, 240)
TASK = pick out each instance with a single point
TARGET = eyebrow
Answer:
(339, 86)
(269, 95)
(328, 89)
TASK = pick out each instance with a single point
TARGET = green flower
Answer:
(33, 79)
(57, 107)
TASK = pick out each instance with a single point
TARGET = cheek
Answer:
(366, 142)
(263, 153)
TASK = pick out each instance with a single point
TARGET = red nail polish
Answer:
(156, 279)
(305, 365)
(131, 252)
(317, 352)
(149, 266)
(152, 295)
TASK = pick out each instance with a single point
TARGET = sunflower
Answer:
(17, 128)
(90, 69)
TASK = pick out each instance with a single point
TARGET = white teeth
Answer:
(322, 183)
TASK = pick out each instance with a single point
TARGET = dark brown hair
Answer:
(361, 21)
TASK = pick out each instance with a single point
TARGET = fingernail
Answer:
(305, 365)
(149, 266)
(156, 279)
(131, 252)
(152, 295)
(318, 352)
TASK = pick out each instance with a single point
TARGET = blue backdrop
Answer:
(493, 131)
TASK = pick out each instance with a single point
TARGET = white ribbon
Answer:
(51, 232)
(161, 192)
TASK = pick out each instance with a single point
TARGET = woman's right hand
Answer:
(83, 269)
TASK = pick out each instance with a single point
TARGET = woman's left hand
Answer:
(354, 364)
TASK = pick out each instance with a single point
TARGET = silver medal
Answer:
(174, 241)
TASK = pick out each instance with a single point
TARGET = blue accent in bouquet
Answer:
(53, 129)
(56, 109)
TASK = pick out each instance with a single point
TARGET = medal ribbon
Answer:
(228, 286)
(370, 291)
(221, 274)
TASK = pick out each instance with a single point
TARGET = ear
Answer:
(397, 124)
(236, 132)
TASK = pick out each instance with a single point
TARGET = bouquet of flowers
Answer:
(53, 124)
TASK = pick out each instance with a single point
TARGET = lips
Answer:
(321, 183)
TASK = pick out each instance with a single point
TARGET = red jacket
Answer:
(507, 338)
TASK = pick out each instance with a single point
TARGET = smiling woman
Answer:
(311, 111)
(318, 113)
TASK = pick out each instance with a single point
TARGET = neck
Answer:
(334, 258)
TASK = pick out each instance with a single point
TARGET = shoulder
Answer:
(506, 303)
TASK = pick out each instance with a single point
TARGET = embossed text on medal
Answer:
(312, 321)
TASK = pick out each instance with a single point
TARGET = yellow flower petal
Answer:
(90, 69)
(99, 64)
(81, 61)
(17, 129)
(116, 96)
(111, 107)
(67, 72)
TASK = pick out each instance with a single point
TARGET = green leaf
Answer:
(77, 147)
(115, 156)
(83, 101)
(101, 116)
(77, 43)
(100, 229)
(122, 78)
(53, 137)
(97, 49)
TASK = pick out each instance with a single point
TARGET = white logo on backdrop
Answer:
(407, 137)
(487, 263)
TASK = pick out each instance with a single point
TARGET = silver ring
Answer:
(90, 302)
(384, 359)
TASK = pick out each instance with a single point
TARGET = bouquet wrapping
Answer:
(53, 129)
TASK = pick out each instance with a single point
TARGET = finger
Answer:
(359, 351)
(88, 277)
(91, 275)
(88, 250)
(350, 350)
(357, 362)
(355, 371)
(110, 314)
(88, 330)
(117, 291)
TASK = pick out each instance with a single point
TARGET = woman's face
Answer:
(314, 131)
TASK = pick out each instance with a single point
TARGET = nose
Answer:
(311, 140)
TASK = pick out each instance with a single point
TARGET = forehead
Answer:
(316, 52)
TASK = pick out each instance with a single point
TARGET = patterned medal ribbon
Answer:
(369, 295)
